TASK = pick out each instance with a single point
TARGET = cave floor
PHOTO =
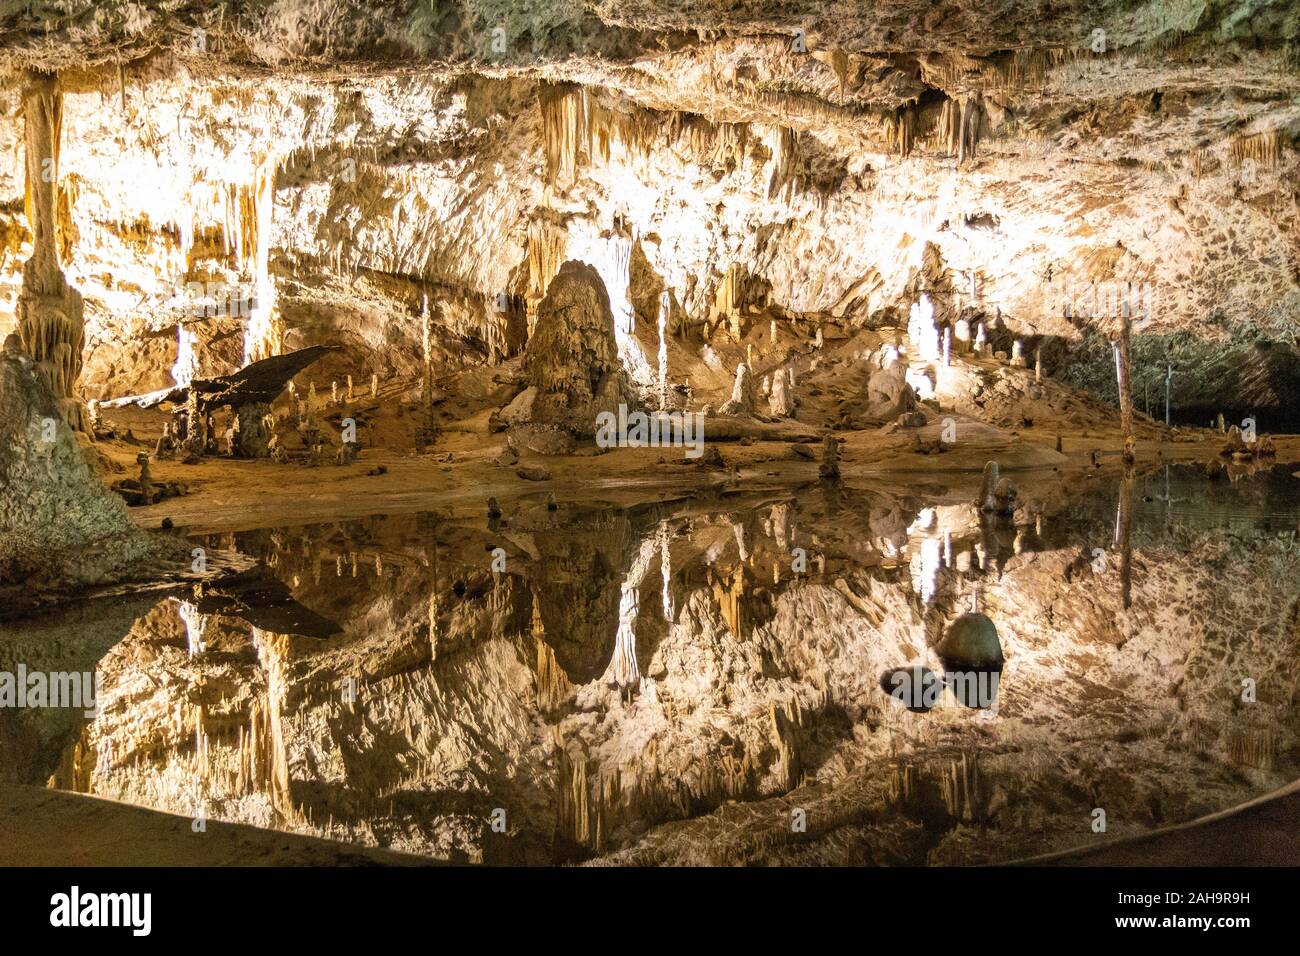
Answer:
(461, 473)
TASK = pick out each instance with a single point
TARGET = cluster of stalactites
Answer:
(1008, 71)
(737, 290)
(546, 250)
(1263, 148)
(577, 129)
(900, 130)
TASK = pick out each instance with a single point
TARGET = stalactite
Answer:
(573, 818)
(730, 596)
(666, 571)
(186, 365)
(949, 127)
(426, 354)
(264, 334)
(972, 112)
(50, 312)
(737, 291)
(900, 130)
(546, 251)
(1263, 148)
(922, 333)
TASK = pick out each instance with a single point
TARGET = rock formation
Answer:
(49, 310)
(571, 365)
(59, 525)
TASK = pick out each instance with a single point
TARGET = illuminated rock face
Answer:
(464, 188)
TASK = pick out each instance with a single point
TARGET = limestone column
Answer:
(50, 312)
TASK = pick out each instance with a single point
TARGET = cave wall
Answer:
(1168, 164)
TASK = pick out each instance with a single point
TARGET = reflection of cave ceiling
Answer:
(419, 149)
(759, 690)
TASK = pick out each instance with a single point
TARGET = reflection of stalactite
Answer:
(268, 758)
(1124, 521)
(433, 624)
(623, 669)
(786, 721)
(731, 600)
(1253, 747)
(553, 687)
(963, 789)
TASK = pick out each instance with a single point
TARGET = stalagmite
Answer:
(742, 393)
(49, 311)
(779, 401)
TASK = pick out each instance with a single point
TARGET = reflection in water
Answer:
(397, 688)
